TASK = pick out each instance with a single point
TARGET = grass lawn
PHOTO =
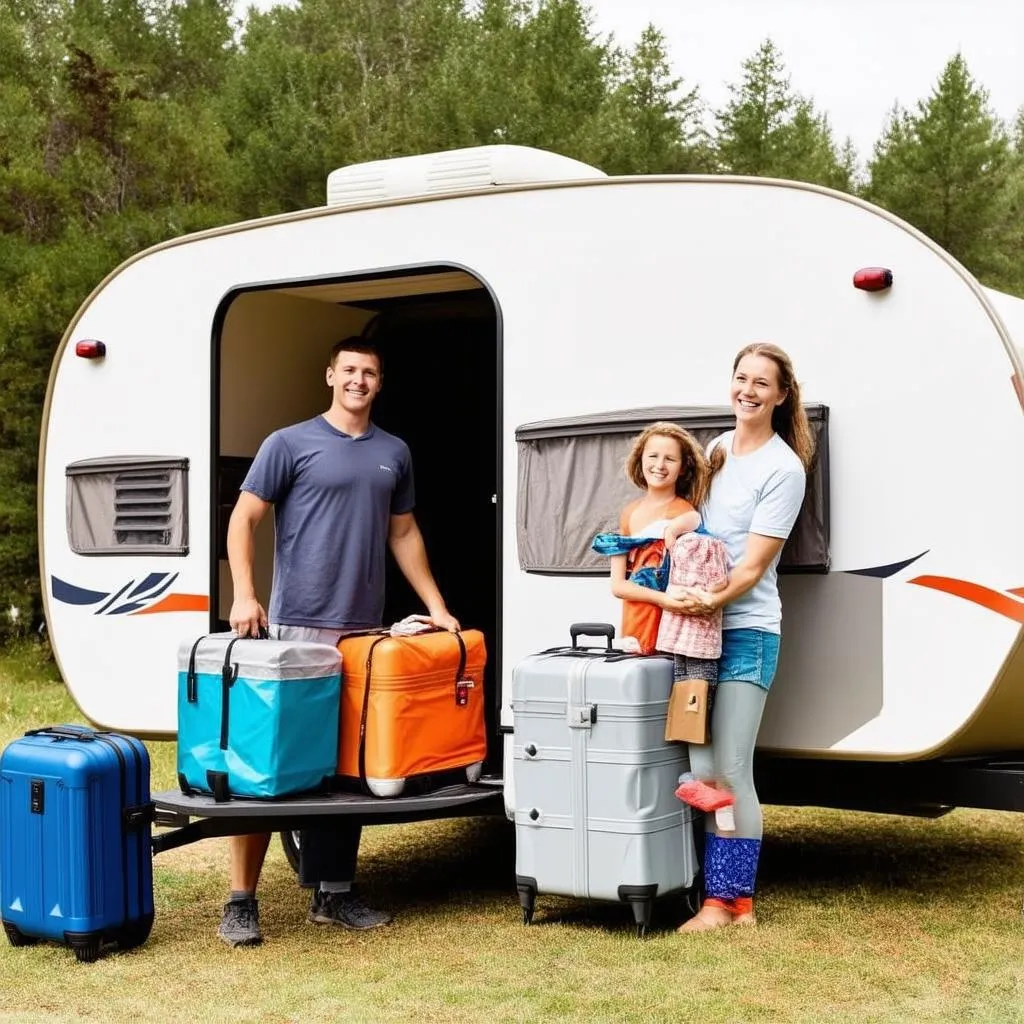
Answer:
(863, 918)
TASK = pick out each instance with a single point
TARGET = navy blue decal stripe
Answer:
(155, 593)
(150, 581)
(121, 609)
(100, 611)
(69, 594)
(882, 571)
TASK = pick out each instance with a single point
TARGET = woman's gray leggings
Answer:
(729, 757)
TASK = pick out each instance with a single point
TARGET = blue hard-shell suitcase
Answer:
(75, 840)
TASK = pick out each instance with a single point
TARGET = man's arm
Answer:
(247, 614)
(406, 543)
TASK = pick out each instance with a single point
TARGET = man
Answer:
(342, 490)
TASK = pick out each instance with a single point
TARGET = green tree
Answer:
(948, 168)
(649, 124)
(767, 129)
(108, 142)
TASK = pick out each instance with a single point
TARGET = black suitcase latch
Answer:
(36, 796)
(139, 817)
(582, 716)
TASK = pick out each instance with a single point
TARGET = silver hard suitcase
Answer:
(596, 814)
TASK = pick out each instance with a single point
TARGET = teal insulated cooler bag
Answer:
(257, 718)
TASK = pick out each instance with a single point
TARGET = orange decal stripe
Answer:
(993, 600)
(178, 603)
(1019, 591)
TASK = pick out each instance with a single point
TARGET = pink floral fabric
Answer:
(698, 560)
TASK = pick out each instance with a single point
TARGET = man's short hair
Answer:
(355, 344)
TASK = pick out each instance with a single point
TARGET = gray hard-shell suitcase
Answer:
(596, 814)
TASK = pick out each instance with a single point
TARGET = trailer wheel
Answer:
(290, 844)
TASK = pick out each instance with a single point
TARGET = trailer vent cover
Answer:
(457, 170)
(124, 505)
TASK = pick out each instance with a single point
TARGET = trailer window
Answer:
(128, 505)
(571, 485)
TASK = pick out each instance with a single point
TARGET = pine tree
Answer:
(769, 130)
(946, 168)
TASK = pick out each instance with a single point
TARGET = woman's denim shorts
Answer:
(749, 656)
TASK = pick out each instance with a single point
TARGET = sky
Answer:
(854, 58)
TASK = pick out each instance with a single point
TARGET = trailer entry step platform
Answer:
(240, 816)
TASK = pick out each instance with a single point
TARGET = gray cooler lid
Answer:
(261, 659)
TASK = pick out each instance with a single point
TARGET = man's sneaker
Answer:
(344, 909)
(240, 925)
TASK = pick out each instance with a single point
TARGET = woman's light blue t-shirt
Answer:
(756, 493)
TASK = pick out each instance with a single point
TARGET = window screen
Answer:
(128, 505)
(572, 485)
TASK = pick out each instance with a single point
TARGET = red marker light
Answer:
(90, 349)
(873, 279)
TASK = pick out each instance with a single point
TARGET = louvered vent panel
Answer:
(142, 507)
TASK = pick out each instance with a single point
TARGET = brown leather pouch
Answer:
(687, 719)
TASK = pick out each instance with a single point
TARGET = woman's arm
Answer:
(744, 576)
(685, 523)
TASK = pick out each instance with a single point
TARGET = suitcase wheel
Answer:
(527, 888)
(641, 899)
(87, 949)
(16, 937)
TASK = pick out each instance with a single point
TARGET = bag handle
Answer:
(65, 732)
(191, 686)
(228, 676)
(578, 629)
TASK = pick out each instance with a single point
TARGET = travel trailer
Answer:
(533, 315)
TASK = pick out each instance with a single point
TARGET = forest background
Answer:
(127, 122)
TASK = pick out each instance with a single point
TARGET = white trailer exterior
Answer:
(607, 294)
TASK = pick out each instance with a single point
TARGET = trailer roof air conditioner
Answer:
(454, 171)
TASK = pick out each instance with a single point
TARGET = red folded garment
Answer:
(704, 797)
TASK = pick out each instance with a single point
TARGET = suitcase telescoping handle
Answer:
(605, 629)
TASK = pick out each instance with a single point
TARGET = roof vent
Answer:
(457, 170)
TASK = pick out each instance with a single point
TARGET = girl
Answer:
(758, 475)
(668, 465)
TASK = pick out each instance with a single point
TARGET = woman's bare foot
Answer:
(709, 918)
(745, 919)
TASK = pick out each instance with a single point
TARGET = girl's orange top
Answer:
(640, 619)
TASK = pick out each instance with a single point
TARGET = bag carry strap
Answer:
(228, 676)
(363, 784)
(191, 689)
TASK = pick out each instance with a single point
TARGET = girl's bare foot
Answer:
(709, 918)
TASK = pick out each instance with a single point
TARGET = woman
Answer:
(757, 487)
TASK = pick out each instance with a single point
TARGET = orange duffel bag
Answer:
(425, 712)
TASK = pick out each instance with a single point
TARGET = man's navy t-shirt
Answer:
(333, 496)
